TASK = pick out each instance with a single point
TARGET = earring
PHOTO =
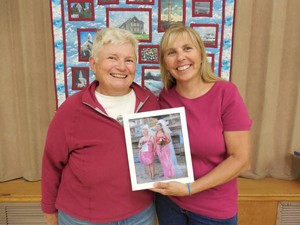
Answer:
(169, 77)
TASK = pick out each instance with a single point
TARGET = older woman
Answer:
(146, 144)
(219, 134)
(85, 174)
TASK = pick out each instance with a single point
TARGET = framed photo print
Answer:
(158, 147)
(208, 33)
(81, 10)
(151, 79)
(148, 54)
(140, 2)
(170, 13)
(108, 2)
(202, 8)
(85, 43)
(80, 77)
(138, 21)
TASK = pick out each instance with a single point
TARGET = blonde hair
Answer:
(188, 33)
(113, 35)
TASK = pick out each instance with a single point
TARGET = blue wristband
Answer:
(189, 189)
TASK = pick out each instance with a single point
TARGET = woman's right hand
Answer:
(51, 219)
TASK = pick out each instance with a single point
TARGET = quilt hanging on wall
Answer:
(75, 23)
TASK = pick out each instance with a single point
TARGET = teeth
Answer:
(183, 68)
(118, 75)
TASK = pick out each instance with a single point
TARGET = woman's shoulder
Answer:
(70, 104)
(225, 84)
(168, 92)
(225, 87)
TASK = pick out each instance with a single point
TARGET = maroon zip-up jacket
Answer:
(85, 170)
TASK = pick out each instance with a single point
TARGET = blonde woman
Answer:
(218, 128)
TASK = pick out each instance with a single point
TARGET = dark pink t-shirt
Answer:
(208, 116)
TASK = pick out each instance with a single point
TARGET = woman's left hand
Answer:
(172, 188)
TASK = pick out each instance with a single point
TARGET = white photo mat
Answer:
(176, 119)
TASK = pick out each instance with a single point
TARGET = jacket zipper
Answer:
(141, 104)
(101, 112)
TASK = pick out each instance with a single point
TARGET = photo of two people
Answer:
(157, 147)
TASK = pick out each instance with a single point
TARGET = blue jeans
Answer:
(169, 213)
(146, 217)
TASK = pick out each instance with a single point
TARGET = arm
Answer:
(168, 138)
(152, 139)
(51, 219)
(238, 145)
(154, 145)
(55, 157)
(139, 145)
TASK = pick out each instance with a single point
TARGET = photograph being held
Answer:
(219, 134)
(85, 158)
(146, 153)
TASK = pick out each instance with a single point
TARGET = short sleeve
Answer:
(235, 116)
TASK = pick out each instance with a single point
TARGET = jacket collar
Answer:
(89, 96)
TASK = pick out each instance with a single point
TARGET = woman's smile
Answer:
(118, 75)
(183, 67)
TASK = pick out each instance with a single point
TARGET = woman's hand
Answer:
(172, 188)
(51, 219)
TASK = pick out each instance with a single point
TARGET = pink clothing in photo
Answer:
(164, 156)
(147, 157)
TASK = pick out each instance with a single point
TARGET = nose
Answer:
(180, 56)
(121, 65)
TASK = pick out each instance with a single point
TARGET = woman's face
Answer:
(114, 69)
(144, 132)
(158, 127)
(183, 60)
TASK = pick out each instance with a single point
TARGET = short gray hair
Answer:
(113, 35)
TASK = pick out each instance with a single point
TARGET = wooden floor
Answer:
(257, 200)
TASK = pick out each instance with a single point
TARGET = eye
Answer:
(129, 60)
(112, 58)
(188, 48)
(170, 52)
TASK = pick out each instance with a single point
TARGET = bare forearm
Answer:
(224, 172)
(51, 219)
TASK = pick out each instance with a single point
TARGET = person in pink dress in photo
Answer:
(146, 153)
(162, 148)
